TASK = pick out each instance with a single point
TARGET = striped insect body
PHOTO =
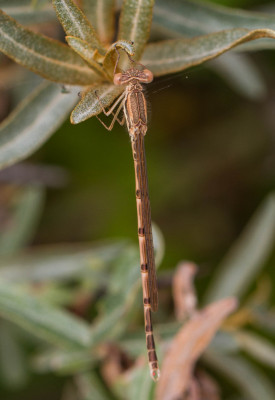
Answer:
(134, 106)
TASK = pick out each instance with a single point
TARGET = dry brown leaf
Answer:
(185, 299)
(187, 346)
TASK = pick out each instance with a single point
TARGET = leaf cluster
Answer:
(39, 285)
(196, 32)
(98, 345)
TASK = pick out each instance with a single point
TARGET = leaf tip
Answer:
(73, 120)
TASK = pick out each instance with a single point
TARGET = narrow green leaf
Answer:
(26, 214)
(42, 320)
(61, 263)
(256, 346)
(135, 23)
(60, 296)
(176, 55)
(89, 105)
(241, 74)
(124, 284)
(261, 44)
(25, 13)
(91, 387)
(247, 256)
(101, 14)
(46, 57)
(264, 319)
(224, 342)
(251, 382)
(33, 122)
(87, 52)
(13, 371)
(142, 385)
(76, 24)
(63, 361)
(192, 18)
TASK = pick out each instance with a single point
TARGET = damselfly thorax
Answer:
(133, 102)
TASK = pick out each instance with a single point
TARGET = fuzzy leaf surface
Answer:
(176, 55)
(33, 122)
(25, 13)
(85, 51)
(75, 23)
(89, 105)
(101, 14)
(46, 57)
(135, 23)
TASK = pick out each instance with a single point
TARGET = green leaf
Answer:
(264, 319)
(89, 105)
(256, 346)
(25, 13)
(62, 263)
(59, 296)
(76, 24)
(91, 387)
(46, 57)
(33, 122)
(14, 373)
(224, 342)
(192, 18)
(85, 51)
(135, 23)
(251, 382)
(142, 384)
(176, 55)
(26, 214)
(241, 74)
(63, 361)
(124, 284)
(42, 320)
(247, 256)
(101, 14)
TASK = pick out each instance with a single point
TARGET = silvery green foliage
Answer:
(89, 59)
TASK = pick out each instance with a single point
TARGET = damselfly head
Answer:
(148, 76)
(133, 74)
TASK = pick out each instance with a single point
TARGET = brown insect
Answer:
(135, 113)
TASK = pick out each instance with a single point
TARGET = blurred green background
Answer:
(211, 162)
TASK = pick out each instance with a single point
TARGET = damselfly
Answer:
(133, 102)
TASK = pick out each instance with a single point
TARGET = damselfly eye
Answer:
(117, 79)
(149, 75)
